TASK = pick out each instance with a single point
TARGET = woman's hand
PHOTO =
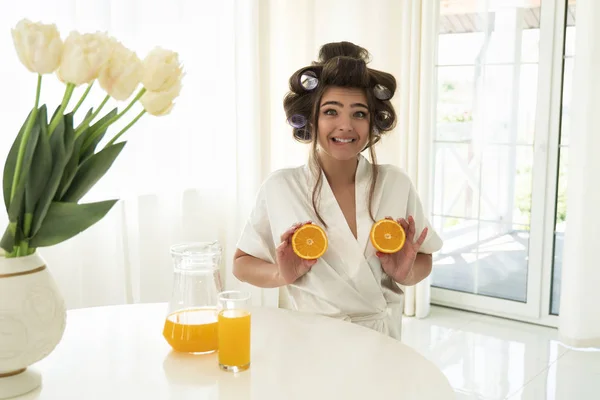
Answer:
(399, 265)
(291, 267)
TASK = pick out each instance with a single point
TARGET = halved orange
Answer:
(387, 236)
(309, 242)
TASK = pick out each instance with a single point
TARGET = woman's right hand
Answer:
(291, 267)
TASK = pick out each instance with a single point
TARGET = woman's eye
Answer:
(360, 114)
(330, 112)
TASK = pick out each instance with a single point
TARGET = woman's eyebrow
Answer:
(337, 103)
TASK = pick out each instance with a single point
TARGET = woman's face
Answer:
(343, 127)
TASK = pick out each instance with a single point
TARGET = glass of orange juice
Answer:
(234, 330)
(191, 323)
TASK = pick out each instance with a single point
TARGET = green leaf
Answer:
(8, 240)
(87, 115)
(11, 163)
(61, 144)
(91, 171)
(42, 119)
(93, 130)
(16, 204)
(70, 170)
(60, 128)
(54, 113)
(41, 165)
(12, 235)
(68, 137)
(65, 220)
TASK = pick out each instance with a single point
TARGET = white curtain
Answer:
(193, 175)
(579, 319)
(415, 105)
(186, 176)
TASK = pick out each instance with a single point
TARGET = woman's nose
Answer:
(345, 124)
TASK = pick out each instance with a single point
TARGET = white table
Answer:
(119, 353)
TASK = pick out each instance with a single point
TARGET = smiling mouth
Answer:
(343, 140)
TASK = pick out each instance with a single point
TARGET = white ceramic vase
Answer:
(32, 321)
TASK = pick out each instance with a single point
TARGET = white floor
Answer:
(487, 358)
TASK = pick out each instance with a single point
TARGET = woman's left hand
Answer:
(399, 265)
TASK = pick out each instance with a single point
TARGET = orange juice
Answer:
(192, 330)
(234, 338)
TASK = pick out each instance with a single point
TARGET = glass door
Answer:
(497, 66)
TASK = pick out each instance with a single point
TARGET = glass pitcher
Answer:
(192, 317)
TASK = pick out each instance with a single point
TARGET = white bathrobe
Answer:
(348, 281)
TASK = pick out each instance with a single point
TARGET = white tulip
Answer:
(38, 46)
(161, 70)
(122, 73)
(161, 103)
(83, 57)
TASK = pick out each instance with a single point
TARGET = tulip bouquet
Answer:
(54, 162)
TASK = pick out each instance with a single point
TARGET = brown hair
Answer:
(341, 64)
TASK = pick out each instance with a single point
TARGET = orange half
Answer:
(387, 236)
(309, 242)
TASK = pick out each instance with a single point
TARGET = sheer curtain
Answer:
(180, 177)
(194, 174)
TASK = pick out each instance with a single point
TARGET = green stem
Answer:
(23, 249)
(118, 135)
(82, 98)
(27, 224)
(25, 139)
(12, 229)
(83, 126)
(95, 114)
(59, 113)
(105, 126)
(24, 244)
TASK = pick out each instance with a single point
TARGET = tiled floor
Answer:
(489, 358)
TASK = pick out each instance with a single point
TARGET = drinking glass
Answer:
(234, 330)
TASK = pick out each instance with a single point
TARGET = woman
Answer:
(342, 108)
